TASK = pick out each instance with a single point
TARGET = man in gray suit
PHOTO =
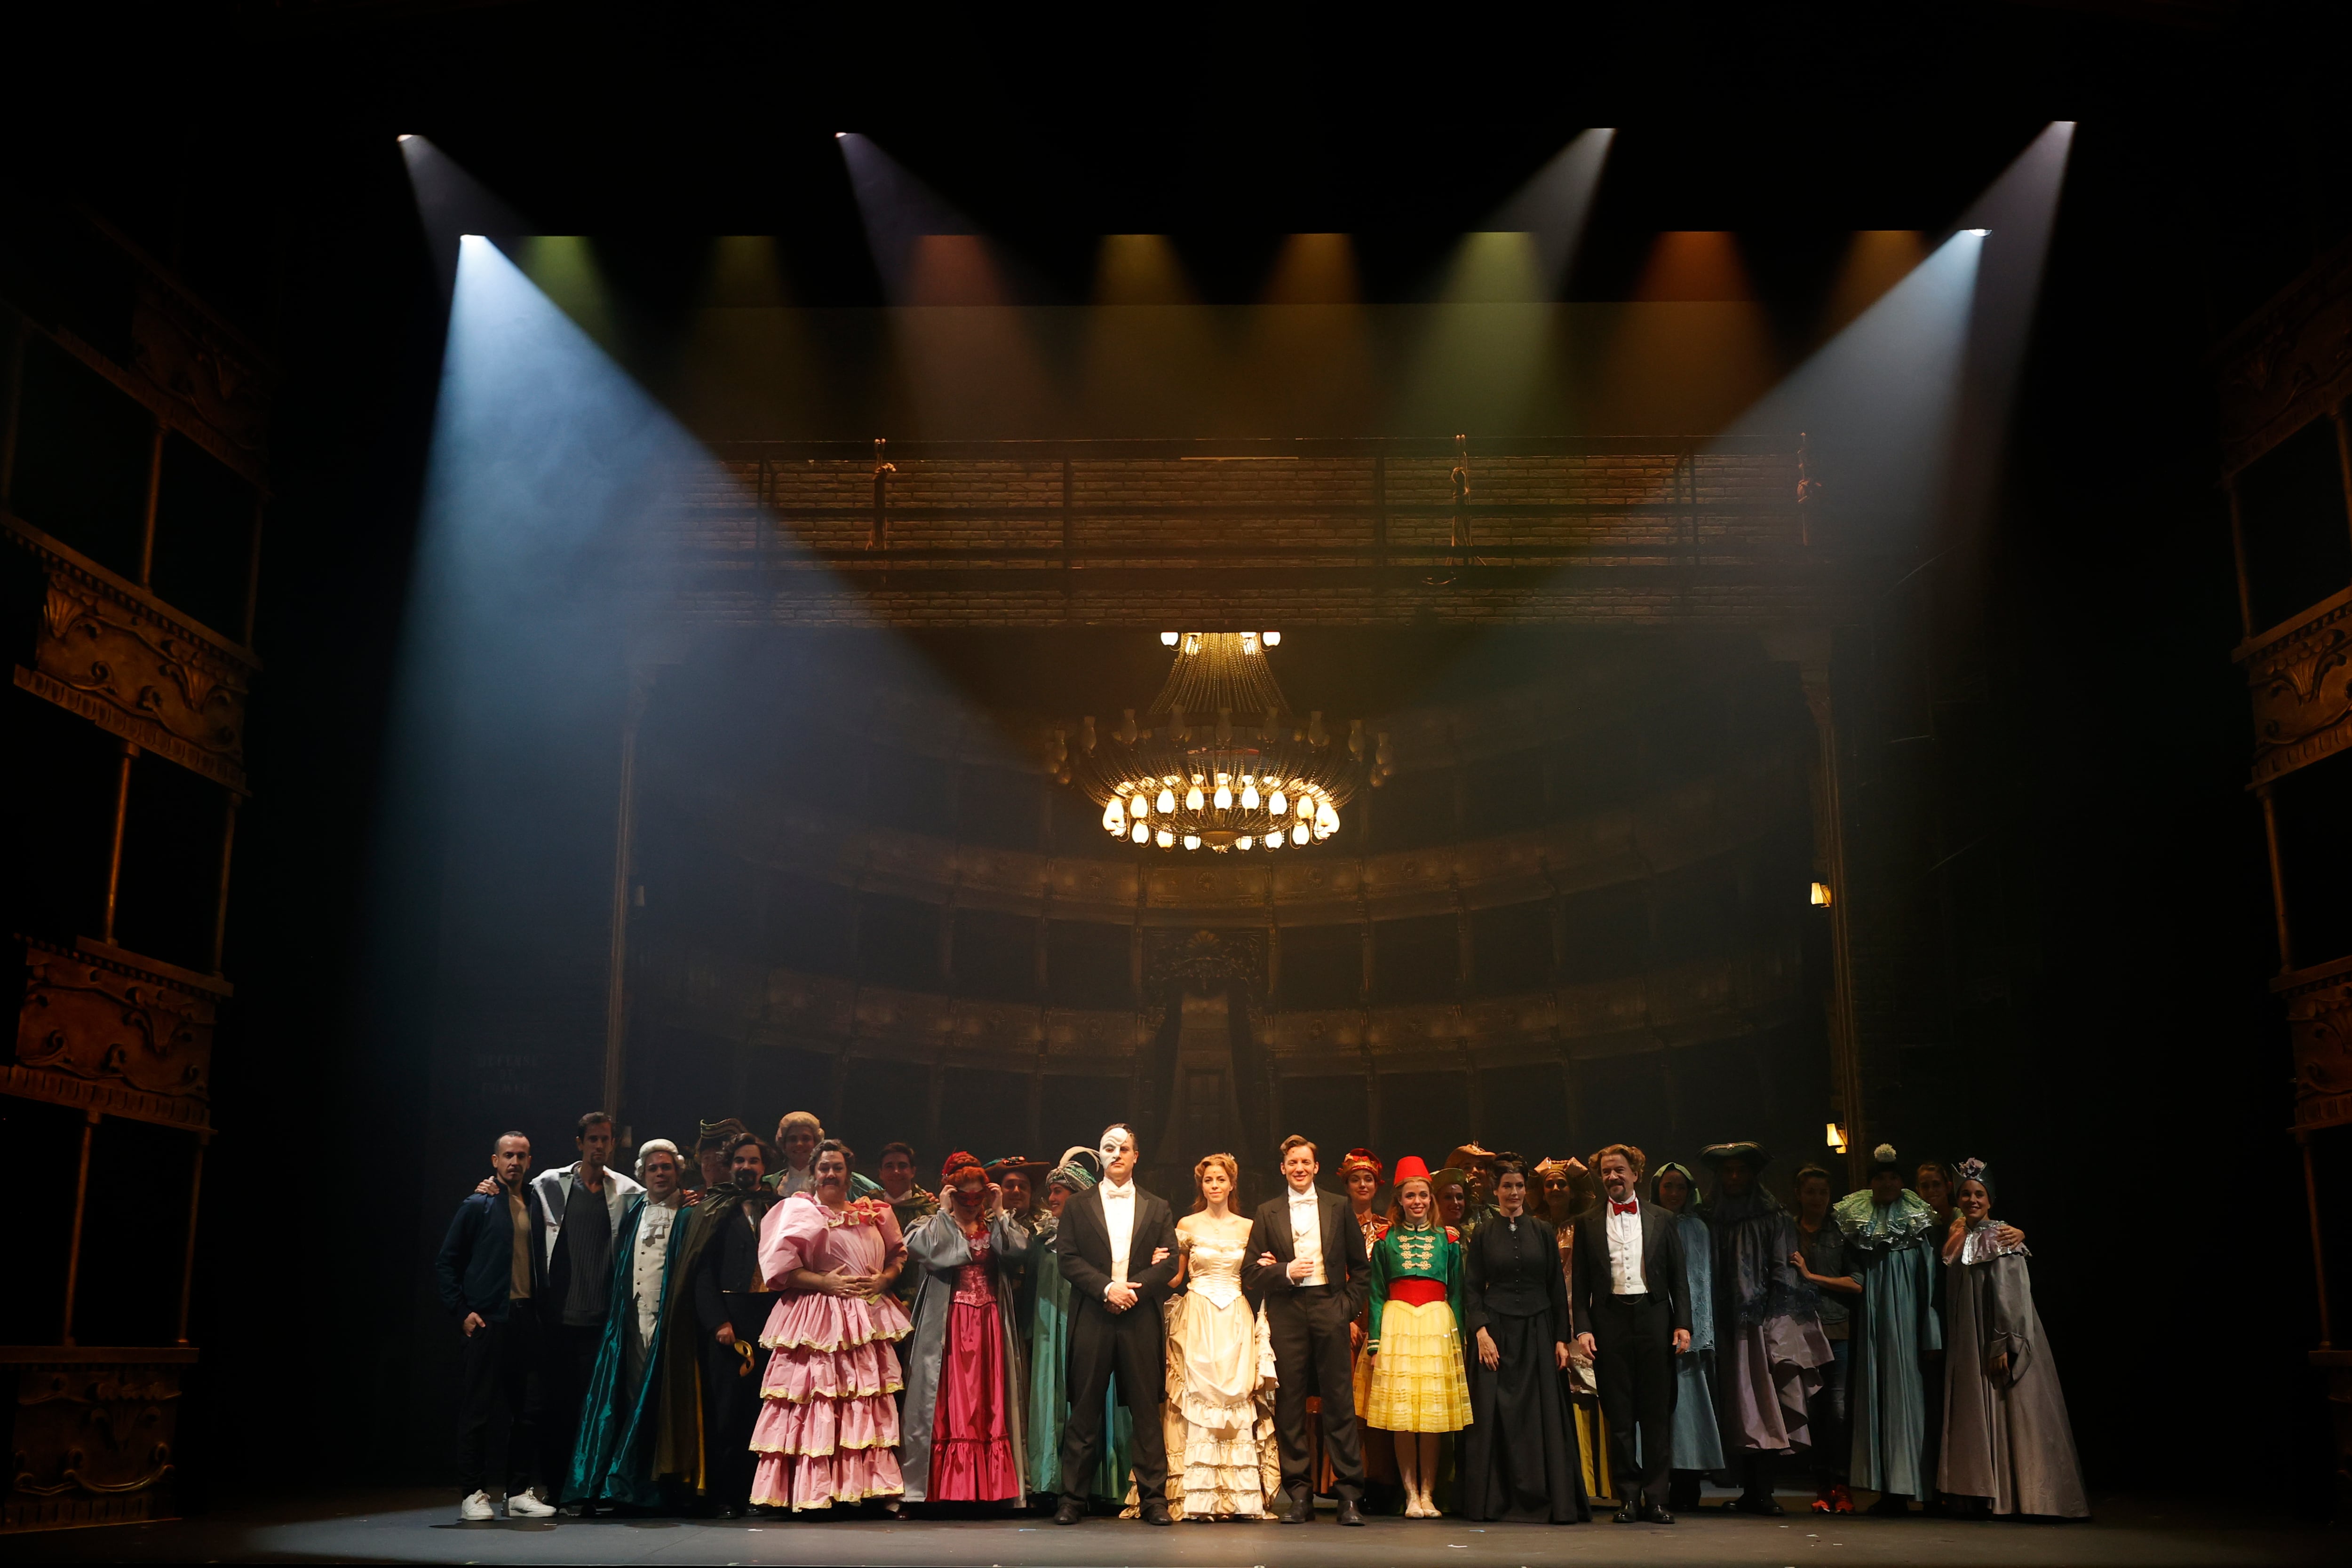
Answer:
(1310, 1268)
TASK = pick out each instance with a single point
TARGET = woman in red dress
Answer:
(967, 1383)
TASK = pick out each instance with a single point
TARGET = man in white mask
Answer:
(1116, 1244)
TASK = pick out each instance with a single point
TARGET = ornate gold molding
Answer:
(2288, 364)
(134, 666)
(2319, 1029)
(103, 1029)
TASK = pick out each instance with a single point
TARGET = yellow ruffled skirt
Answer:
(1419, 1384)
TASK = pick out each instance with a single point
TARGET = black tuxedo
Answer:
(1308, 1325)
(1131, 1344)
(1633, 1341)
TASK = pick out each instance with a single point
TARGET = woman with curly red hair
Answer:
(967, 1384)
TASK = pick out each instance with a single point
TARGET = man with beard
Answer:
(730, 1306)
(1632, 1307)
(611, 1462)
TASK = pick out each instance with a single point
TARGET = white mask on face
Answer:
(1112, 1147)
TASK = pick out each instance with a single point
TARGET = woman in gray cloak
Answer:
(1698, 1447)
(2007, 1441)
(963, 1436)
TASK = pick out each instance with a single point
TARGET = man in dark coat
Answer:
(1632, 1310)
(490, 1275)
(731, 1301)
(1117, 1245)
(1307, 1262)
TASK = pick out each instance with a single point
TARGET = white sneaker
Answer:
(523, 1505)
(476, 1506)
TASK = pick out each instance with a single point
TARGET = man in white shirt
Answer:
(1312, 1271)
(1631, 1307)
(1116, 1244)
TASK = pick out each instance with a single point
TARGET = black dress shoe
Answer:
(1350, 1513)
(1653, 1514)
(729, 1511)
(1631, 1513)
(1069, 1511)
(1156, 1512)
(1763, 1503)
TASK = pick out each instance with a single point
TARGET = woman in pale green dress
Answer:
(1049, 1354)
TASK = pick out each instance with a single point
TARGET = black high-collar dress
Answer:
(1518, 1455)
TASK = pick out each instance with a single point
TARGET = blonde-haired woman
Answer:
(1219, 1364)
(1419, 1385)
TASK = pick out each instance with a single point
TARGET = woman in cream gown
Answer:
(1220, 1410)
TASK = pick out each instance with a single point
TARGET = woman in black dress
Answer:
(1518, 1453)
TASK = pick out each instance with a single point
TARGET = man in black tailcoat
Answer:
(1116, 1244)
(1633, 1312)
(1307, 1262)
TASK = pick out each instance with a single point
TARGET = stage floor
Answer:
(415, 1526)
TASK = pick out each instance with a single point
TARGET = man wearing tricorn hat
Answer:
(1767, 1322)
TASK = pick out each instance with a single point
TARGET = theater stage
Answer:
(420, 1526)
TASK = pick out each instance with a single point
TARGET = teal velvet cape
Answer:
(613, 1461)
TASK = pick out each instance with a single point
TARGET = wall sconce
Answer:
(1837, 1134)
(1821, 895)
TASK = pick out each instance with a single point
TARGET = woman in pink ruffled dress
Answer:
(828, 1429)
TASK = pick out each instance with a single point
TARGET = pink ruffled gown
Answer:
(828, 1428)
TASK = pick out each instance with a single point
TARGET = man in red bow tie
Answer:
(1633, 1310)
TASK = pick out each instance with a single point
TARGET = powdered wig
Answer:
(1225, 1163)
(653, 1147)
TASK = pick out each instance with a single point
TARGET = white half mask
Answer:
(1113, 1143)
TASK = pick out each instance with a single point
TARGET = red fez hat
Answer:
(1410, 1167)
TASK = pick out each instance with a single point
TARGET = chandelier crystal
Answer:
(1223, 765)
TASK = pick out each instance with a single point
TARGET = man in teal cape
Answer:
(628, 1393)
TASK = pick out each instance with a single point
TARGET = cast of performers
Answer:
(1306, 1258)
(1633, 1317)
(828, 1428)
(1699, 1447)
(808, 1342)
(964, 1435)
(2007, 1448)
(1770, 1349)
(1116, 1243)
(1518, 1455)
(1419, 1388)
(1220, 1417)
(613, 1461)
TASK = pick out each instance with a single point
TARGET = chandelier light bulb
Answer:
(1277, 804)
(1141, 805)
(1191, 840)
(1242, 842)
(1167, 839)
(1305, 808)
(1224, 798)
(1192, 799)
(1168, 639)
(1142, 834)
(1298, 834)
(1167, 802)
(1115, 818)
(1249, 797)
(1271, 639)
(1273, 842)
(1326, 822)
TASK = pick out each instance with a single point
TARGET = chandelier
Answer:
(1223, 765)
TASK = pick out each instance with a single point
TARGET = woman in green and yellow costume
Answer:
(1419, 1387)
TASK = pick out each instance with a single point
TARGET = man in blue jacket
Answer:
(490, 1272)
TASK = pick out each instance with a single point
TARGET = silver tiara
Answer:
(1972, 1169)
